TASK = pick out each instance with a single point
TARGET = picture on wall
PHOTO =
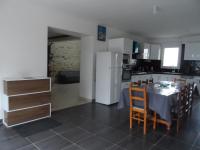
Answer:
(101, 33)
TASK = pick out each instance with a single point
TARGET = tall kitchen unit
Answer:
(108, 77)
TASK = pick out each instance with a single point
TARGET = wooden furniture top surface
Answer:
(15, 87)
(25, 78)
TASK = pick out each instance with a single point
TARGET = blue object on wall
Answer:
(101, 35)
(136, 47)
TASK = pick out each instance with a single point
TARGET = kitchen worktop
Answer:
(186, 76)
(169, 73)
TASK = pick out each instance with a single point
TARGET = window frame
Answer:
(179, 57)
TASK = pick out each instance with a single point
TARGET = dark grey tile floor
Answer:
(97, 127)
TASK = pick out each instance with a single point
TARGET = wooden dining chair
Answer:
(178, 111)
(189, 99)
(145, 82)
(137, 83)
(150, 81)
(138, 105)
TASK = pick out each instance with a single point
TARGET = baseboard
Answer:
(89, 100)
(70, 106)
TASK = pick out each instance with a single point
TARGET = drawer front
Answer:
(26, 86)
(23, 101)
(16, 117)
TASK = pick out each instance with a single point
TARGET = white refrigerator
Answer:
(108, 77)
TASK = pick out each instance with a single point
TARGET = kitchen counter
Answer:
(169, 73)
(162, 76)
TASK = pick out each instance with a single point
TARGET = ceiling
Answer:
(172, 18)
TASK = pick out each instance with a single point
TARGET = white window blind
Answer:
(171, 57)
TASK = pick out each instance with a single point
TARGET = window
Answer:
(171, 57)
(146, 53)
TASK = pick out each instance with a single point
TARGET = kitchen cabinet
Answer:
(192, 51)
(124, 85)
(146, 51)
(156, 77)
(155, 52)
(122, 45)
(150, 51)
(173, 77)
(165, 77)
(135, 78)
(143, 77)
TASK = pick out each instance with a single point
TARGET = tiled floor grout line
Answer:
(114, 146)
(193, 144)
(96, 134)
(24, 146)
(178, 140)
(157, 142)
(117, 143)
(10, 137)
(92, 134)
(39, 141)
(84, 129)
(73, 143)
(32, 143)
(106, 135)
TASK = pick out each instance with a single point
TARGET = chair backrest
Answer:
(138, 93)
(150, 80)
(181, 101)
(138, 83)
(190, 94)
(145, 82)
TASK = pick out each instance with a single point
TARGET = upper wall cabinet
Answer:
(146, 51)
(192, 51)
(122, 45)
(155, 51)
(151, 51)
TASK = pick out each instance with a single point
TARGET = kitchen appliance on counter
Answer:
(127, 69)
(108, 77)
(126, 59)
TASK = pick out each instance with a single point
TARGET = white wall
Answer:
(65, 95)
(86, 73)
(23, 41)
(23, 47)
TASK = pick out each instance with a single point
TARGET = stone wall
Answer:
(65, 55)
